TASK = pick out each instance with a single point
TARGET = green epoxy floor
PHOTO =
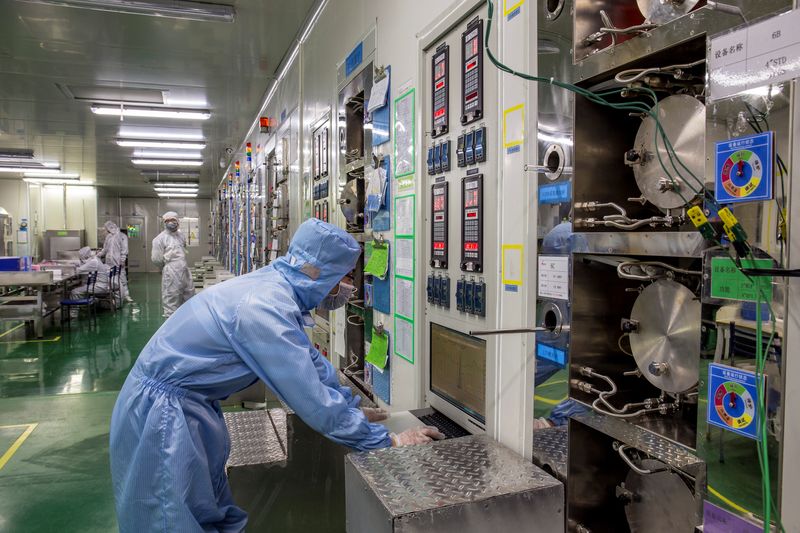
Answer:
(58, 479)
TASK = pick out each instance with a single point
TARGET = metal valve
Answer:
(658, 369)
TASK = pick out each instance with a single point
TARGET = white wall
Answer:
(44, 207)
(115, 208)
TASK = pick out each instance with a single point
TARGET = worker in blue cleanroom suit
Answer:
(169, 443)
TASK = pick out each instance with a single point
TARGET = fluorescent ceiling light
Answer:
(148, 143)
(52, 176)
(170, 184)
(16, 155)
(70, 183)
(148, 154)
(171, 190)
(20, 170)
(153, 112)
(176, 195)
(161, 133)
(177, 9)
(170, 174)
(167, 162)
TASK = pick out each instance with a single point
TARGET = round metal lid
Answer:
(663, 503)
(667, 342)
(683, 118)
(349, 202)
(663, 11)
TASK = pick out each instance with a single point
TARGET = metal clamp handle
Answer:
(506, 331)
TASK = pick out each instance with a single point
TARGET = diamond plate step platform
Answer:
(550, 451)
(257, 437)
(469, 484)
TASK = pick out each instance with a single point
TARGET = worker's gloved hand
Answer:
(541, 423)
(375, 414)
(417, 435)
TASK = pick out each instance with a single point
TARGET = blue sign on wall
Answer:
(744, 169)
(555, 193)
(354, 59)
(732, 397)
(556, 355)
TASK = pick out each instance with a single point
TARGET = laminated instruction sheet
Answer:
(378, 350)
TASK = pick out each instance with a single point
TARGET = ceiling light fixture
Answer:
(167, 162)
(16, 154)
(177, 195)
(174, 190)
(20, 170)
(53, 176)
(177, 9)
(70, 183)
(148, 143)
(155, 154)
(157, 174)
(150, 112)
(170, 184)
(172, 134)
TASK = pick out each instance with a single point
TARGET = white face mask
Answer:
(335, 301)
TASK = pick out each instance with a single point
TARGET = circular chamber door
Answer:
(667, 342)
(662, 503)
(663, 11)
(683, 119)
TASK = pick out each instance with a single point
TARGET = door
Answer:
(137, 243)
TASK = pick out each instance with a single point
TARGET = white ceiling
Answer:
(223, 67)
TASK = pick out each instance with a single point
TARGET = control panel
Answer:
(319, 162)
(471, 147)
(472, 72)
(439, 158)
(439, 226)
(461, 186)
(440, 91)
(472, 223)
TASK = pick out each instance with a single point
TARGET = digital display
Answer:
(438, 246)
(471, 246)
(471, 198)
(471, 47)
(439, 72)
(472, 64)
(439, 112)
(439, 85)
(472, 214)
(438, 202)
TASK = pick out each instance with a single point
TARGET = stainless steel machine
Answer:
(628, 213)
(56, 241)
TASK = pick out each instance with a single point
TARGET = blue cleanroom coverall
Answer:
(169, 443)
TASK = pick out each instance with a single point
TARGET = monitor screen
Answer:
(458, 370)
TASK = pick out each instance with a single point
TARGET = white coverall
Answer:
(176, 280)
(115, 253)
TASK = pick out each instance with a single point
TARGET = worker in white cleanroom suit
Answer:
(169, 255)
(115, 254)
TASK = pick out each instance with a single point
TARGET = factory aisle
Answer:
(56, 397)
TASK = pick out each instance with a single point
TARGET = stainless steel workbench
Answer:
(30, 305)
